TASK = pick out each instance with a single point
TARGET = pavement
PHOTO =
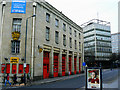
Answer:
(110, 86)
(44, 81)
(113, 84)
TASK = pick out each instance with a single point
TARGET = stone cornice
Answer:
(59, 14)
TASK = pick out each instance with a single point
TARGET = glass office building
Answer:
(97, 40)
(115, 43)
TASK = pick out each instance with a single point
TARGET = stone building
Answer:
(54, 45)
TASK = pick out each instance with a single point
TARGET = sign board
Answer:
(93, 78)
(18, 6)
(14, 60)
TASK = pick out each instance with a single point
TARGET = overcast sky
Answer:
(81, 11)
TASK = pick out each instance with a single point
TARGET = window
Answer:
(75, 33)
(64, 40)
(79, 35)
(75, 44)
(56, 37)
(47, 17)
(70, 30)
(17, 24)
(79, 46)
(47, 33)
(15, 47)
(56, 22)
(70, 42)
(64, 26)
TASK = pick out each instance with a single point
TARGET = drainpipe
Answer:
(2, 18)
(1, 33)
(33, 40)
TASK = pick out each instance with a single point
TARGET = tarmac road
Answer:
(79, 82)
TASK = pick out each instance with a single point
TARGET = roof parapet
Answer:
(95, 21)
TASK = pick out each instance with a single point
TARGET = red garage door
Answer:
(3, 68)
(70, 57)
(63, 65)
(75, 68)
(14, 68)
(55, 65)
(20, 68)
(7, 68)
(46, 65)
(79, 65)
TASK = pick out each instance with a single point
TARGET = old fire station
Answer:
(37, 38)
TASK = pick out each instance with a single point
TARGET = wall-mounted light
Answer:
(4, 3)
(22, 59)
(40, 49)
(6, 59)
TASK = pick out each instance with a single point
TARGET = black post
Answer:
(101, 87)
(26, 40)
(25, 50)
(85, 78)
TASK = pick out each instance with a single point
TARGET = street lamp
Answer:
(26, 44)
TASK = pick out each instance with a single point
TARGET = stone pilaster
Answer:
(67, 64)
(51, 62)
(60, 63)
(77, 62)
(72, 61)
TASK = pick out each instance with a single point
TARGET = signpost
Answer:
(93, 78)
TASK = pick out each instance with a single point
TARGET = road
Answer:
(78, 82)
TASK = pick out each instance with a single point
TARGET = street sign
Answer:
(93, 78)
(24, 65)
(84, 63)
(14, 60)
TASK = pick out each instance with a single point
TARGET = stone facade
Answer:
(50, 46)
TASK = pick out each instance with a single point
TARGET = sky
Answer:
(81, 11)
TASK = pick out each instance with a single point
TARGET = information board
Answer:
(18, 6)
(93, 78)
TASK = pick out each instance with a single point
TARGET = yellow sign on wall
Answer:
(14, 60)
(15, 35)
(40, 50)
